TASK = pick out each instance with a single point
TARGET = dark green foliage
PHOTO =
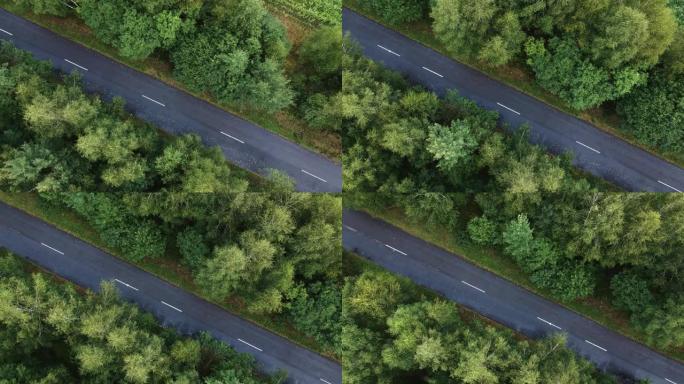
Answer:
(235, 53)
(98, 338)
(398, 11)
(423, 339)
(654, 112)
(561, 69)
(630, 292)
(192, 248)
(58, 138)
(315, 310)
(137, 238)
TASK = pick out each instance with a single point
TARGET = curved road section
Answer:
(501, 300)
(87, 266)
(595, 151)
(243, 143)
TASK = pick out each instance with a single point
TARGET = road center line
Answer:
(472, 286)
(586, 146)
(2, 30)
(389, 50)
(597, 346)
(431, 71)
(169, 305)
(126, 284)
(549, 323)
(234, 138)
(669, 186)
(350, 228)
(153, 100)
(244, 342)
(72, 63)
(56, 250)
(669, 381)
(312, 175)
(510, 109)
(394, 249)
(327, 382)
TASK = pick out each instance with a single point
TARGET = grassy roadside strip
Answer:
(517, 75)
(166, 268)
(282, 123)
(596, 308)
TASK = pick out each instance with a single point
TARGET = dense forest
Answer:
(55, 137)
(278, 248)
(394, 332)
(445, 164)
(400, 139)
(628, 55)
(53, 332)
(235, 52)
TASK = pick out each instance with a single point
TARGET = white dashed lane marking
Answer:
(431, 71)
(72, 63)
(510, 109)
(3, 31)
(324, 380)
(472, 286)
(126, 284)
(549, 323)
(597, 346)
(255, 347)
(586, 146)
(56, 250)
(350, 228)
(312, 175)
(394, 249)
(669, 186)
(153, 100)
(171, 306)
(389, 50)
(232, 137)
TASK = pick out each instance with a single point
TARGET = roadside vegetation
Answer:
(397, 332)
(235, 54)
(55, 332)
(149, 197)
(624, 76)
(328, 12)
(446, 168)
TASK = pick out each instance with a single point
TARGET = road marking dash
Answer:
(350, 228)
(388, 50)
(431, 71)
(394, 249)
(9, 33)
(169, 305)
(472, 286)
(597, 346)
(126, 284)
(72, 63)
(669, 381)
(234, 138)
(153, 100)
(586, 146)
(324, 380)
(312, 175)
(549, 323)
(669, 186)
(510, 109)
(244, 342)
(56, 250)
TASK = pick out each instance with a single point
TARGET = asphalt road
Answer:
(87, 266)
(501, 300)
(243, 143)
(595, 151)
